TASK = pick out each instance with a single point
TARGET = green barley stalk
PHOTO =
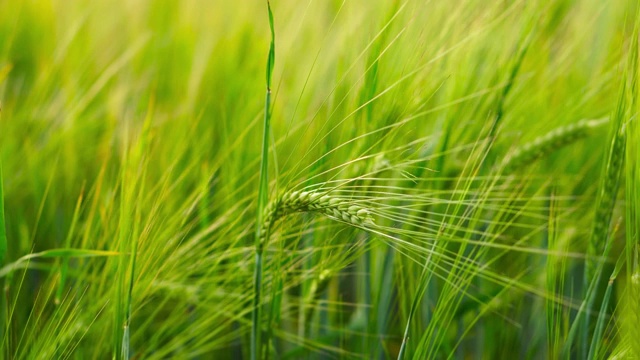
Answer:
(124, 223)
(256, 331)
(290, 202)
(553, 141)
(609, 183)
(632, 231)
(605, 204)
(136, 163)
(608, 189)
(316, 202)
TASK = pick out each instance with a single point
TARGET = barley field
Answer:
(319, 179)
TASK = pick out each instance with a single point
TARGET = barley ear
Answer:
(334, 207)
(549, 143)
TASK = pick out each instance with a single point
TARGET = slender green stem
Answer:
(256, 331)
(608, 189)
(256, 337)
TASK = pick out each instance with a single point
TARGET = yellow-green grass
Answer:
(417, 181)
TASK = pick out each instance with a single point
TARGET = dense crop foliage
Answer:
(423, 179)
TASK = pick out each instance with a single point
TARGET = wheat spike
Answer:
(311, 201)
(550, 142)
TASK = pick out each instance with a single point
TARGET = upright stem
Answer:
(256, 331)
(256, 335)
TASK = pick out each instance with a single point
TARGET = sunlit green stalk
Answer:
(609, 183)
(256, 331)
